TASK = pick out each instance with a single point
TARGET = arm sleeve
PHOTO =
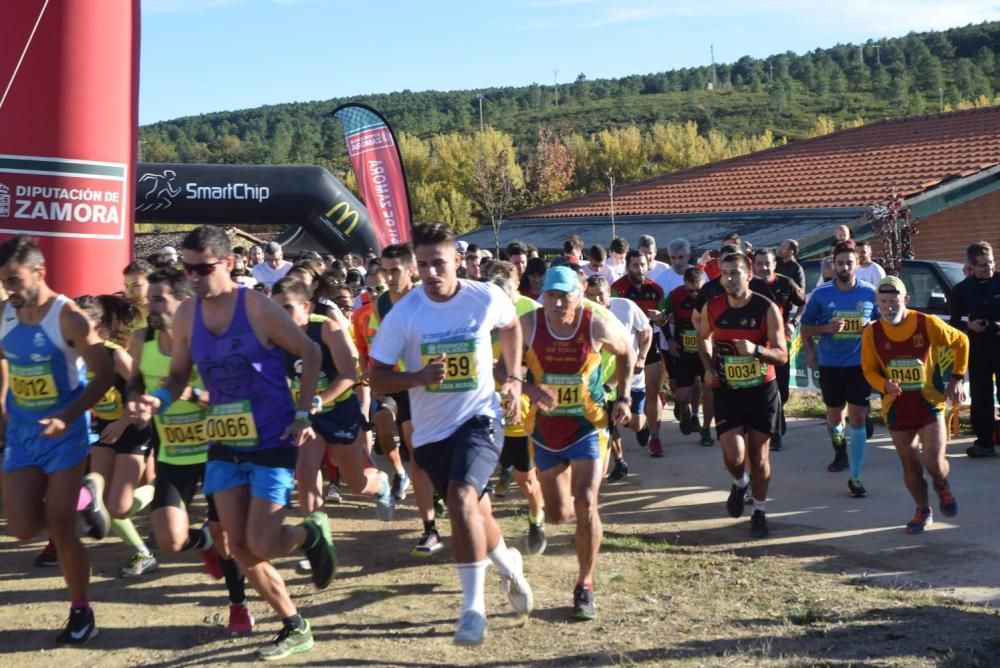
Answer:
(870, 363)
(942, 334)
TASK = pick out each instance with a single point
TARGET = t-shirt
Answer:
(263, 273)
(647, 295)
(604, 271)
(616, 270)
(660, 273)
(855, 306)
(671, 281)
(873, 273)
(418, 328)
(635, 321)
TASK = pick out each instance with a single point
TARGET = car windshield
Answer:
(953, 272)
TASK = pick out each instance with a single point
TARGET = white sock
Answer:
(759, 505)
(500, 557)
(742, 482)
(473, 578)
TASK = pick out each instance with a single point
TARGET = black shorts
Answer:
(399, 404)
(515, 453)
(669, 361)
(654, 356)
(135, 440)
(844, 385)
(341, 424)
(469, 455)
(687, 368)
(756, 408)
(175, 486)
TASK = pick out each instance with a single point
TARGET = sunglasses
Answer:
(202, 269)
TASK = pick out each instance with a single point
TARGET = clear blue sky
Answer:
(213, 55)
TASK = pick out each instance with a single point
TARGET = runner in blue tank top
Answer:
(237, 339)
(46, 341)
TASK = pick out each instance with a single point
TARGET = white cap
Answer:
(461, 246)
(169, 251)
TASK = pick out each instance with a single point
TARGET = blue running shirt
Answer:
(855, 306)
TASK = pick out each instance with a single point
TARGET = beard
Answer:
(894, 317)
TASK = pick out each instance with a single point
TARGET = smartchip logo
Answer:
(4, 201)
(160, 191)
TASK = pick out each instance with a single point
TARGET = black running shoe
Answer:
(321, 555)
(758, 524)
(429, 543)
(856, 489)
(684, 422)
(584, 607)
(80, 627)
(695, 422)
(95, 517)
(735, 503)
(979, 450)
(619, 472)
(48, 556)
(840, 461)
(537, 541)
(642, 436)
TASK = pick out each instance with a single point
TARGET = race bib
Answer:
(742, 371)
(461, 370)
(33, 385)
(908, 371)
(853, 322)
(182, 431)
(689, 340)
(570, 392)
(110, 406)
(232, 425)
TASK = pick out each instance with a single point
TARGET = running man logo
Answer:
(162, 191)
(4, 201)
(342, 217)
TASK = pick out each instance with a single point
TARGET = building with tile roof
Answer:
(145, 244)
(945, 166)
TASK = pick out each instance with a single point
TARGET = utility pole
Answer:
(611, 197)
(770, 72)
(878, 60)
(941, 100)
(480, 96)
(861, 54)
(555, 82)
(715, 78)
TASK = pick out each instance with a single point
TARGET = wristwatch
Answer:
(758, 351)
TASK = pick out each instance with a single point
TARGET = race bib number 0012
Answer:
(461, 369)
(232, 425)
(33, 386)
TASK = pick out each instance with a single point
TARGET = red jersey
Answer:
(728, 324)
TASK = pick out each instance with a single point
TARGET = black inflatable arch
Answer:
(320, 212)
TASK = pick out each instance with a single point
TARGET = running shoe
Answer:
(95, 516)
(240, 620)
(978, 450)
(655, 447)
(80, 627)
(516, 585)
(48, 556)
(736, 501)
(706, 437)
(619, 472)
(677, 412)
(840, 461)
(695, 422)
(643, 437)
(584, 607)
(400, 481)
(856, 489)
(471, 628)
(321, 554)
(758, 524)
(428, 544)
(303, 566)
(288, 641)
(922, 519)
(211, 562)
(684, 421)
(440, 508)
(775, 442)
(332, 494)
(537, 541)
(385, 502)
(948, 505)
(502, 487)
(140, 564)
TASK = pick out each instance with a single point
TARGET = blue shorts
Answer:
(27, 448)
(469, 455)
(341, 424)
(273, 483)
(637, 401)
(591, 446)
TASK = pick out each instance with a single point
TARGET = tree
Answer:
(495, 188)
(550, 170)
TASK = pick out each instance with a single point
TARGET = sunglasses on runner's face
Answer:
(202, 269)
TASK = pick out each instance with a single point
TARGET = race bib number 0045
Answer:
(461, 370)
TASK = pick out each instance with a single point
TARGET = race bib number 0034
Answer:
(461, 370)
(743, 371)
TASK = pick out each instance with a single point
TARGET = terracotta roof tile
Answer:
(852, 167)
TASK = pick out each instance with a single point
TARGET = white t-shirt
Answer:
(418, 328)
(263, 273)
(635, 321)
(660, 273)
(604, 271)
(671, 280)
(616, 270)
(873, 273)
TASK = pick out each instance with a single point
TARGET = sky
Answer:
(200, 56)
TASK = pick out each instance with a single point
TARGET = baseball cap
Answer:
(892, 284)
(461, 246)
(272, 248)
(169, 251)
(560, 278)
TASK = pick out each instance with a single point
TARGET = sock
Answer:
(125, 529)
(294, 622)
(79, 603)
(84, 499)
(235, 582)
(857, 440)
(586, 585)
(400, 471)
(430, 525)
(473, 578)
(759, 505)
(141, 497)
(742, 482)
(195, 539)
(500, 557)
(536, 519)
(836, 430)
(384, 489)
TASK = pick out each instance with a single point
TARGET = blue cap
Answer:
(560, 278)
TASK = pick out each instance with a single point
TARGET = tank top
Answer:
(111, 406)
(571, 369)
(908, 362)
(746, 322)
(683, 305)
(180, 429)
(327, 371)
(46, 374)
(250, 404)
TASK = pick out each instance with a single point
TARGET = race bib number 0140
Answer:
(461, 369)
(909, 372)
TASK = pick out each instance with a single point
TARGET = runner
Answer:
(442, 332)
(136, 280)
(182, 448)
(637, 324)
(44, 338)
(647, 295)
(680, 304)
(568, 421)
(120, 453)
(336, 417)
(899, 356)
(740, 340)
(235, 336)
(836, 313)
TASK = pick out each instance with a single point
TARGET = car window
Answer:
(953, 272)
(922, 284)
